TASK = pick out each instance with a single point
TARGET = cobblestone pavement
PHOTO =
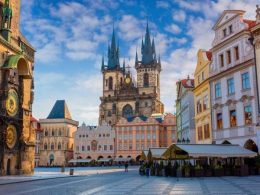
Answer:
(120, 182)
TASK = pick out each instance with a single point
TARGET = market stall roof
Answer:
(104, 159)
(207, 150)
(156, 153)
(144, 154)
(80, 160)
(122, 159)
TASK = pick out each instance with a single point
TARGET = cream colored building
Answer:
(202, 98)
(234, 98)
(57, 141)
(94, 142)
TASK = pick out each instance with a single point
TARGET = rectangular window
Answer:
(199, 106)
(224, 33)
(236, 53)
(142, 136)
(205, 102)
(221, 60)
(248, 115)
(228, 57)
(245, 81)
(206, 131)
(200, 133)
(218, 90)
(111, 147)
(233, 118)
(154, 135)
(148, 136)
(202, 76)
(231, 87)
(219, 121)
(105, 147)
(130, 147)
(230, 29)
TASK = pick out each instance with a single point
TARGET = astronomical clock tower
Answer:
(122, 95)
(16, 93)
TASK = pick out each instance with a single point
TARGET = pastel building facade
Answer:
(57, 141)
(94, 142)
(36, 127)
(133, 135)
(202, 98)
(185, 111)
(233, 81)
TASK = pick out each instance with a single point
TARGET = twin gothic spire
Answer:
(147, 50)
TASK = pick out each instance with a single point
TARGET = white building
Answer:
(233, 81)
(185, 112)
(94, 142)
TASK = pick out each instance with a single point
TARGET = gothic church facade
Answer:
(122, 95)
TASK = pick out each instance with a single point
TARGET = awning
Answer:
(104, 159)
(144, 154)
(122, 159)
(207, 150)
(80, 160)
(156, 153)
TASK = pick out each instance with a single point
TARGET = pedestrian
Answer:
(126, 166)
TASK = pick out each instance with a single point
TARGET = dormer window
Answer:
(224, 33)
(230, 29)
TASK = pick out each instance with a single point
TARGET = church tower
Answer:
(148, 76)
(113, 76)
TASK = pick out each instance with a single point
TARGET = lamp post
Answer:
(77, 154)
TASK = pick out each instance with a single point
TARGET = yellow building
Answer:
(17, 140)
(202, 98)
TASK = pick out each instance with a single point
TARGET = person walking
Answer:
(126, 166)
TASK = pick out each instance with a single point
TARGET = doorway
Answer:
(8, 167)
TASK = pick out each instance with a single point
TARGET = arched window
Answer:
(59, 146)
(146, 79)
(52, 133)
(109, 113)
(46, 132)
(158, 82)
(83, 148)
(45, 146)
(59, 132)
(88, 148)
(52, 146)
(137, 106)
(114, 108)
(127, 111)
(110, 83)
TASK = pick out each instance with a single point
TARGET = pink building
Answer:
(139, 133)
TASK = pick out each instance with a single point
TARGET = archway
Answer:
(8, 167)
(51, 158)
(120, 156)
(100, 157)
(251, 145)
(138, 158)
(109, 156)
(127, 111)
(89, 157)
(226, 142)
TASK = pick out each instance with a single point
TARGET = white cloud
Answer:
(162, 4)
(179, 16)
(49, 53)
(173, 28)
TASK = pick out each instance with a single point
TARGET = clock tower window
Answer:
(110, 83)
(146, 79)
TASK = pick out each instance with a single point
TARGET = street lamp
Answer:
(77, 154)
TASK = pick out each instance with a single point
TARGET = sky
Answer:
(71, 36)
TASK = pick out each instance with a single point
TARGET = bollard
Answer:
(71, 171)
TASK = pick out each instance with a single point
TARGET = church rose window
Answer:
(127, 111)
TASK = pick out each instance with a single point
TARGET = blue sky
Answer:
(71, 36)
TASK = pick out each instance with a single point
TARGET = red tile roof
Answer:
(186, 84)
(34, 119)
(250, 23)
(209, 55)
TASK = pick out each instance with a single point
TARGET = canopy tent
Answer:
(80, 160)
(104, 160)
(181, 151)
(122, 159)
(144, 155)
(156, 153)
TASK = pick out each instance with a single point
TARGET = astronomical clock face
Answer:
(127, 80)
(11, 136)
(12, 102)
